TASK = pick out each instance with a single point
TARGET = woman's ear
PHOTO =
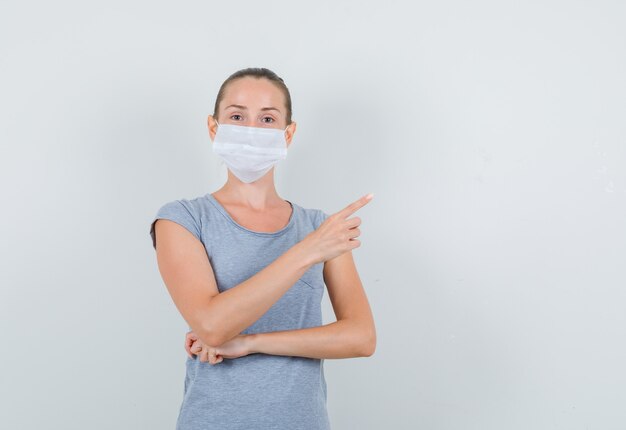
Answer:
(212, 125)
(289, 132)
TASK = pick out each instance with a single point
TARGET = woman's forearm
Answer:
(340, 339)
(231, 311)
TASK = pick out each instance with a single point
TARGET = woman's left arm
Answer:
(352, 335)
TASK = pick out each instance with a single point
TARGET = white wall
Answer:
(492, 135)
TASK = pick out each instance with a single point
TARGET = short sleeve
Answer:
(181, 212)
(321, 217)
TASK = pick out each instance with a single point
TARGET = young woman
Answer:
(247, 271)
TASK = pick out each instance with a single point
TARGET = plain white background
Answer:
(492, 135)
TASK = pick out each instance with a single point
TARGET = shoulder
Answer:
(186, 212)
(189, 208)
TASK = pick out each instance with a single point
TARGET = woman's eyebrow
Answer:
(245, 108)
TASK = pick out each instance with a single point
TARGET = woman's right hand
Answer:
(338, 233)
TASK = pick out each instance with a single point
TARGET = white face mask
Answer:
(249, 152)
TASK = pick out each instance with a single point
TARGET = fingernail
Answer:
(369, 196)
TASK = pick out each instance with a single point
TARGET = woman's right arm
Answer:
(213, 316)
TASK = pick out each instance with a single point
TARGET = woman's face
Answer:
(252, 102)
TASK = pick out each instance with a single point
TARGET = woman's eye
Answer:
(270, 118)
(231, 117)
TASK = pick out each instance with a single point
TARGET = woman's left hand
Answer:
(238, 346)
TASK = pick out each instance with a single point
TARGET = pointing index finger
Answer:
(354, 206)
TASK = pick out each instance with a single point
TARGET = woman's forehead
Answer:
(253, 93)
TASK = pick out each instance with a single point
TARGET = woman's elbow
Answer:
(210, 336)
(368, 345)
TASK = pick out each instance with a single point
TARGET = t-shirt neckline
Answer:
(224, 212)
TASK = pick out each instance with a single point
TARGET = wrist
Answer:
(305, 254)
(253, 343)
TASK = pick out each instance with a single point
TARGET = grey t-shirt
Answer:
(258, 391)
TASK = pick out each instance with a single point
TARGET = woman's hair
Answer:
(257, 72)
